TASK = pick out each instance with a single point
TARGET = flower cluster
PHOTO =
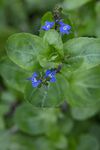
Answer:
(64, 28)
(49, 76)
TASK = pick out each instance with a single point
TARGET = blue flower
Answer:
(34, 80)
(51, 75)
(64, 28)
(48, 25)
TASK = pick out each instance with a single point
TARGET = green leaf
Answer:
(42, 143)
(41, 122)
(52, 58)
(8, 97)
(23, 50)
(61, 142)
(82, 113)
(35, 121)
(87, 20)
(13, 75)
(88, 142)
(48, 16)
(97, 9)
(95, 130)
(73, 4)
(21, 142)
(84, 86)
(82, 71)
(2, 125)
(51, 96)
(27, 121)
(66, 124)
(54, 39)
(3, 109)
(83, 51)
(12, 141)
(17, 14)
(5, 32)
(4, 139)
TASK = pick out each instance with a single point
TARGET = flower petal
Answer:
(35, 84)
(34, 74)
(48, 72)
(53, 79)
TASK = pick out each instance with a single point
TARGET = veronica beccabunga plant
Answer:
(60, 67)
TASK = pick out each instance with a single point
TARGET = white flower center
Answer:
(50, 75)
(48, 26)
(64, 28)
(35, 80)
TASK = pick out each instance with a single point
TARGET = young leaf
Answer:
(52, 57)
(54, 39)
(47, 17)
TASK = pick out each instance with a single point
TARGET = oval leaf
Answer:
(13, 75)
(23, 49)
(83, 50)
(84, 86)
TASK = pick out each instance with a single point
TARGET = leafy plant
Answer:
(78, 80)
(49, 75)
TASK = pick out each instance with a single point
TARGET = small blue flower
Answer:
(48, 25)
(51, 75)
(64, 28)
(34, 80)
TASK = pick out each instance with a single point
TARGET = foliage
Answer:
(59, 115)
